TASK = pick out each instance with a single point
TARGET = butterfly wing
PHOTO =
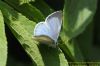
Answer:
(41, 34)
(48, 31)
(40, 29)
(54, 22)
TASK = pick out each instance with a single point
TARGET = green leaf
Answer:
(72, 51)
(86, 42)
(3, 42)
(43, 7)
(77, 15)
(22, 28)
(25, 1)
(27, 9)
(14, 21)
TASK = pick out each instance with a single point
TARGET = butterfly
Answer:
(47, 32)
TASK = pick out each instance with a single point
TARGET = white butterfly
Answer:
(48, 32)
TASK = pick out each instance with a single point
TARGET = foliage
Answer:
(76, 41)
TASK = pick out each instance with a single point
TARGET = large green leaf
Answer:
(22, 28)
(77, 15)
(3, 42)
(13, 20)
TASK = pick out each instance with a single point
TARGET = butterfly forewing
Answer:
(40, 29)
(54, 22)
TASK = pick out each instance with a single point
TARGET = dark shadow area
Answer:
(55, 4)
(97, 26)
(50, 55)
(16, 53)
(43, 7)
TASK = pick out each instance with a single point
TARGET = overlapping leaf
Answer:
(27, 9)
(3, 42)
(77, 15)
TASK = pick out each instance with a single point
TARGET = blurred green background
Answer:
(82, 46)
